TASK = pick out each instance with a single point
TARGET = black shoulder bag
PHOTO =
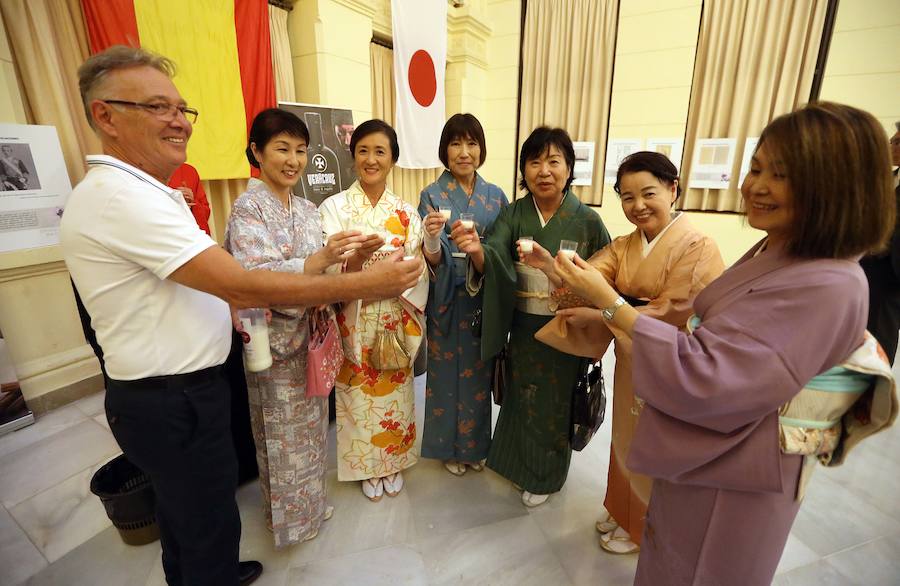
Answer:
(588, 404)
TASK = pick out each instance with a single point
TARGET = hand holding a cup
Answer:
(534, 255)
(465, 235)
(434, 222)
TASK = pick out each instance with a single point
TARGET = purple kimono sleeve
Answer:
(712, 397)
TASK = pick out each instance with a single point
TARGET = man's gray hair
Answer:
(897, 125)
(93, 71)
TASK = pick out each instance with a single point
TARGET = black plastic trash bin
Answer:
(128, 497)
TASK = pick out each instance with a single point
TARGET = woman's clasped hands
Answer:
(350, 246)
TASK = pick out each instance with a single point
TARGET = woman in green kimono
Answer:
(531, 439)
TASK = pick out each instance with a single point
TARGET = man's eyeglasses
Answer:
(162, 110)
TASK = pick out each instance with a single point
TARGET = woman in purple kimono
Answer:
(272, 229)
(724, 495)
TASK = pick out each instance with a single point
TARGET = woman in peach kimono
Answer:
(374, 395)
(659, 268)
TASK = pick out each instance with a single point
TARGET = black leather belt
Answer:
(171, 380)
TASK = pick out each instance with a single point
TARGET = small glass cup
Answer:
(468, 221)
(568, 248)
(446, 212)
(526, 244)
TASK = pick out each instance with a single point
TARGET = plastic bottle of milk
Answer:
(257, 354)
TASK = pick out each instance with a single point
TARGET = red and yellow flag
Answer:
(224, 61)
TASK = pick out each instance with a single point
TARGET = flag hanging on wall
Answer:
(420, 60)
(224, 60)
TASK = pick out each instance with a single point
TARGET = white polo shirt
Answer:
(123, 233)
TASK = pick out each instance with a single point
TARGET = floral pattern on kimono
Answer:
(375, 409)
(289, 429)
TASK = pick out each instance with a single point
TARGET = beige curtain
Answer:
(281, 55)
(407, 183)
(48, 39)
(755, 61)
(567, 63)
(221, 194)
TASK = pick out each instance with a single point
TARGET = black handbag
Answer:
(588, 404)
(500, 377)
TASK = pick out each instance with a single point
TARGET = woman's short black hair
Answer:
(657, 164)
(371, 127)
(270, 123)
(458, 127)
(540, 140)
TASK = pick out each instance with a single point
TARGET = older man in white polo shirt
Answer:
(158, 290)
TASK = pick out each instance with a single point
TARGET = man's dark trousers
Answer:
(177, 430)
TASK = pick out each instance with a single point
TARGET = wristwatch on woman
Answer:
(610, 312)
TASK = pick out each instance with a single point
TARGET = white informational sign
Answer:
(584, 163)
(749, 148)
(616, 150)
(712, 164)
(34, 186)
(670, 147)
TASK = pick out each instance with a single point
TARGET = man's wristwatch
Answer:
(610, 312)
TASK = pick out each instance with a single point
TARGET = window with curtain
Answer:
(755, 61)
(568, 48)
(406, 183)
(282, 68)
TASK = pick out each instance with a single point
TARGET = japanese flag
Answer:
(420, 58)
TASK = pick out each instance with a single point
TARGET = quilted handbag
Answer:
(324, 353)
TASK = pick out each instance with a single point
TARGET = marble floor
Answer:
(440, 530)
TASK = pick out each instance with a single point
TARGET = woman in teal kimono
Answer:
(458, 389)
(531, 440)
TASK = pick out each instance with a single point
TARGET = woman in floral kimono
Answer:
(725, 490)
(376, 427)
(531, 440)
(458, 393)
(660, 268)
(272, 229)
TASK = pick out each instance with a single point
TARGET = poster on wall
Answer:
(34, 186)
(616, 150)
(672, 148)
(584, 163)
(329, 165)
(713, 161)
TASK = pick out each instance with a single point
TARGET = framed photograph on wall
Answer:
(34, 186)
(712, 164)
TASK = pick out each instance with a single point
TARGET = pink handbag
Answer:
(325, 356)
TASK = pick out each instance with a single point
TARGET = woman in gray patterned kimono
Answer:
(272, 229)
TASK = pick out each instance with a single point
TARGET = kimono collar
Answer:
(567, 207)
(449, 183)
(358, 198)
(255, 185)
(751, 267)
(647, 247)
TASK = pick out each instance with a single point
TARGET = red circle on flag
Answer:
(422, 80)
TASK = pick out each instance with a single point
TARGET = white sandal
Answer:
(618, 542)
(373, 489)
(393, 484)
(476, 466)
(534, 500)
(606, 524)
(455, 468)
(329, 512)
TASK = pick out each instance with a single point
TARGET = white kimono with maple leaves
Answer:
(376, 427)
